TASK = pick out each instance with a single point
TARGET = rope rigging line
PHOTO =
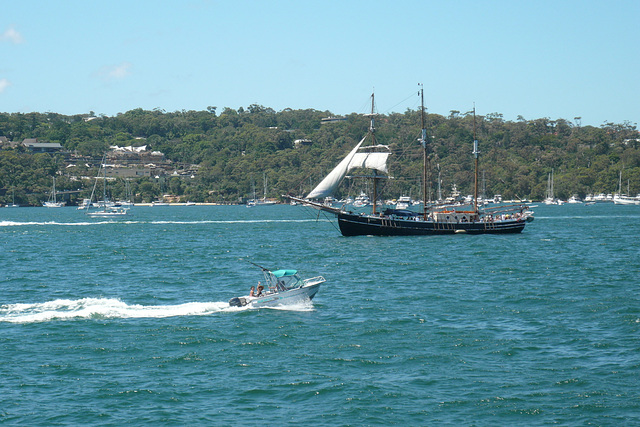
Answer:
(316, 217)
(334, 149)
(388, 111)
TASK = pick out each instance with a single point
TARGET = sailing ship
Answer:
(433, 220)
(53, 201)
(106, 207)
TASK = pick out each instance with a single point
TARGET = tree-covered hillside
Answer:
(234, 149)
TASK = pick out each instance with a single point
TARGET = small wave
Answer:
(94, 223)
(47, 223)
(102, 308)
(234, 221)
(298, 306)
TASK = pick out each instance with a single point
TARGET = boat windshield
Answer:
(283, 279)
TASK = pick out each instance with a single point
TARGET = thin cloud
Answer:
(115, 72)
(4, 83)
(11, 35)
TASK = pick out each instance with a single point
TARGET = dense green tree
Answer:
(235, 149)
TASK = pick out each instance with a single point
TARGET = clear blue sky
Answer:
(556, 59)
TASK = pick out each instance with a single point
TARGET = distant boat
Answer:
(128, 202)
(85, 203)
(106, 207)
(361, 200)
(404, 202)
(434, 220)
(550, 199)
(574, 199)
(53, 202)
(261, 202)
(13, 200)
(624, 199)
(599, 198)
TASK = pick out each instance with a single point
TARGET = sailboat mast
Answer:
(423, 141)
(475, 154)
(264, 181)
(439, 184)
(373, 142)
(104, 181)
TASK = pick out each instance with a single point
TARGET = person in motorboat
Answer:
(281, 287)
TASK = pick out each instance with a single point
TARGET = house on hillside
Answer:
(34, 146)
(128, 172)
(132, 153)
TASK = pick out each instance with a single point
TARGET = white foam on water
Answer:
(304, 305)
(102, 308)
(113, 308)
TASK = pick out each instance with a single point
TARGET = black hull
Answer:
(366, 225)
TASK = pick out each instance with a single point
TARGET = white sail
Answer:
(377, 161)
(330, 182)
(328, 185)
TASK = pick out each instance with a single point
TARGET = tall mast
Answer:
(264, 181)
(423, 141)
(439, 186)
(104, 181)
(373, 142)
(475, 154)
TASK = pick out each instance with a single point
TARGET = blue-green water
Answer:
(113, 322)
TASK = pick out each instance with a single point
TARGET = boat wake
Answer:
(112, 308)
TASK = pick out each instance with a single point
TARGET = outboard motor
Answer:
(238, 302)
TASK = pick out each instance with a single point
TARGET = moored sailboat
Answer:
(106, 207)
(434, 220)
(13, 200)
(53, 201)
(264, 201)
(551, 199)
(624, 199)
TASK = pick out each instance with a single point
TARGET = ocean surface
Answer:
(126, 321)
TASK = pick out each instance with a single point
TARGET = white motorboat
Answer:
(574, 199)
(361, 201)
(404, 202)
(281, 287)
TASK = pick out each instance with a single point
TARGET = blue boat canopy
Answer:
(284, 273)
